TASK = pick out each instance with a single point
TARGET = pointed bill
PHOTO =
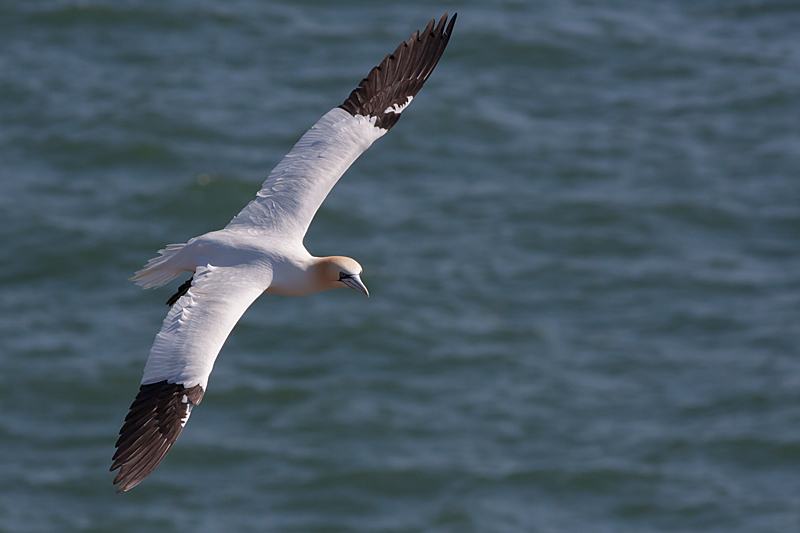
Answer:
(354, 282)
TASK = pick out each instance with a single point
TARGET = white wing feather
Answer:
(294, 190)
(198, 324)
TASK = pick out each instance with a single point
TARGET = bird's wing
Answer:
(294, 190)
(181, 359)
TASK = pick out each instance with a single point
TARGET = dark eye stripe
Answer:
(343, 275)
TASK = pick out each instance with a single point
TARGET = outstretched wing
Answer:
(294, 190)
(181, 359)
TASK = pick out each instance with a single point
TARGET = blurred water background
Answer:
(582, 242)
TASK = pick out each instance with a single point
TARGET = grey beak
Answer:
(354, 282)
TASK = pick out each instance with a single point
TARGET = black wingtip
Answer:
(390, 86)
(153, 424)
(449, 29)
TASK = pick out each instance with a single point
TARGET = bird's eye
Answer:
(343, 275)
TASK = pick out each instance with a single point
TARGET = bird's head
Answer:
(339, 272)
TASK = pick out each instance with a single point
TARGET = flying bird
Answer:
(260, 251)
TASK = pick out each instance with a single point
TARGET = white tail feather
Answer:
(158, 271)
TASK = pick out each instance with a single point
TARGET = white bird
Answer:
(260, 251)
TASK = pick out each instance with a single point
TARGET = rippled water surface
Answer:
(582, 243)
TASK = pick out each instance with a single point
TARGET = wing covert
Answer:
(294, 190)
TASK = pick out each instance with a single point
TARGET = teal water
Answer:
(582, 243)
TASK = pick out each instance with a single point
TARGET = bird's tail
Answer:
(159, 270)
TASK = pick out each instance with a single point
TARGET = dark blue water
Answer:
(582, 244)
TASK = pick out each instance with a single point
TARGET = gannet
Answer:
(260, 251)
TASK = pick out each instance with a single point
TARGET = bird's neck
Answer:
(319, 274)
